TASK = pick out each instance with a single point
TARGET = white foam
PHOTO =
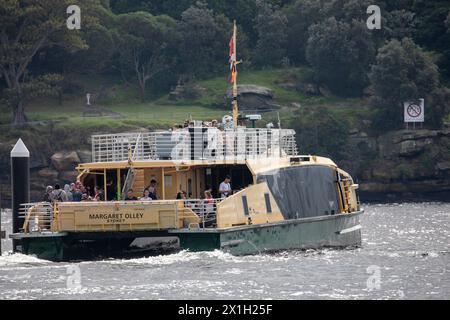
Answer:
(14, 259)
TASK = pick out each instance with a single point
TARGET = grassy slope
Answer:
(160, 111)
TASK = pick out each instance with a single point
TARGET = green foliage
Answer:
(340, 53)
(319, 132)
(271, 25)
(143, 46)
(203, 41)
(147, 46)
(404, 72)
(29, 27)
(431, 31)
(301, 15)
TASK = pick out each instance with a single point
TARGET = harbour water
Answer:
(405, 255)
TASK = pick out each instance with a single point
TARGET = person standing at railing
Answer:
(68, 193)
(208, 204)
(48, 194)
(225, 187)
(58, 195)
(76, 193)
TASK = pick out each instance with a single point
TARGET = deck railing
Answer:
(40, 217)
(197, 143)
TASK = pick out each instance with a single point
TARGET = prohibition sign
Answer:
(414, 110)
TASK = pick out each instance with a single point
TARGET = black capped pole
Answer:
(20, 185)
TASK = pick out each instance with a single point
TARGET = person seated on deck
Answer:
(152, 189)
(99, 196)
(130, 196)
(225, 188)
(146, 196)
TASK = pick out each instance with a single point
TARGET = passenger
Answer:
(225, 188)
(180, 195)
(208, 196)
(48, 194)
(99, 195)
(130, 196)
(76, 192)
(111, 191)
(68, 193)
(152, 189)
(58, 195)
(146, 196)
(208, 204)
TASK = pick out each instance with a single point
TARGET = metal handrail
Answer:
(197, 143)
(38, 216)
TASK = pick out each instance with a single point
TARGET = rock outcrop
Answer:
(65, 160)
(405, 164)
(252, 97)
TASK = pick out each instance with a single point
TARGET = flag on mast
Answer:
(232, 53)
(233, 68)
(233, 76)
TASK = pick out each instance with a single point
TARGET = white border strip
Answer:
(357, 227)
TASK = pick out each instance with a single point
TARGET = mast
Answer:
(234, 77)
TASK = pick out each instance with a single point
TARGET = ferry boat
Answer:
(280, 200)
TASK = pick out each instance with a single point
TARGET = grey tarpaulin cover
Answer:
(303, 191)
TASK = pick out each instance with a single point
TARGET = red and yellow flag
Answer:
(233, 76)
(232, 55)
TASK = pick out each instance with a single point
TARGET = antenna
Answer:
(279, 135)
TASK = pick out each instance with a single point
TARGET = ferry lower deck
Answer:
(336, 231)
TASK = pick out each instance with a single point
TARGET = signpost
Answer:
(414, 111)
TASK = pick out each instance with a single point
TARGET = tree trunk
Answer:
(142, 90)
(19, 117)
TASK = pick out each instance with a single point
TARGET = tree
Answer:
(301, 15)
(341, 54)
(203, 43)
(404, 72)
(430, 31)
(400, 24)
(28, 27)
(143, 40)
(99, 39)
(271, 25)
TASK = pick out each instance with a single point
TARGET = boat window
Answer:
(268, 205)
(303, 191)
(245, 204)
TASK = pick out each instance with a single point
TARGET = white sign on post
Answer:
(414, 111)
